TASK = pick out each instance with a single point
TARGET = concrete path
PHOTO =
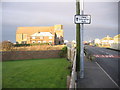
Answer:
(95, 77)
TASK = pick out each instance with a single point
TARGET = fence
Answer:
(71, 53)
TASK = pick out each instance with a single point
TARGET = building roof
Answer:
(32, 30)
(107, 38)
(42, 34)
(117, 36)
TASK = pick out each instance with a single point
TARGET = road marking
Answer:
(108, 75)
(107, 56)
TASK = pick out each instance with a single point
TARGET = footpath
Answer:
(95, 77)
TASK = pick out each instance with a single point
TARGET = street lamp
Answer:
(81, 37)
(80, 19)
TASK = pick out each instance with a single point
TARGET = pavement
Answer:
(95, 77)
(109, 64)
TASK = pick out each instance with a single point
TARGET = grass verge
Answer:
(40, 73)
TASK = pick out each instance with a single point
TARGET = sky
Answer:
(26, 14)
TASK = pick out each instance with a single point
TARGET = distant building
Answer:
(117, 38)
(28, 35)
(107, 41)
(116, 44)
(97, 41)
(73, 41)
(66, 41)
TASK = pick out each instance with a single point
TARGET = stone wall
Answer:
(23, 55)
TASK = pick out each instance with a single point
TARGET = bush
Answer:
(7, 46)
(63, 52)
(19, 45)
(33, 44)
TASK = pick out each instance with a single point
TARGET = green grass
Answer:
(0, 75)
(42, 73)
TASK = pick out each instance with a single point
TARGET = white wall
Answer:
(115, 46)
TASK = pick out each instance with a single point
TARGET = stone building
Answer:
(51, 34)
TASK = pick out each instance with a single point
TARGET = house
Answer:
(51, 34)
(116, 44)
(107, 41)
(117, 38)
(97, 41)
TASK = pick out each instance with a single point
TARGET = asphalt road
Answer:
(108, 60)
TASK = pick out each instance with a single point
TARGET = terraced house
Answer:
(51, 34)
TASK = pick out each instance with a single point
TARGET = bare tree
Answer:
(6, 46)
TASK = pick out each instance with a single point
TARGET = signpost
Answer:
(80, 19)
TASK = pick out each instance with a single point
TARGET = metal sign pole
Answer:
(80, 20)
(82, 46)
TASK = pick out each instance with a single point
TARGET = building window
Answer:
(41, 37)
(44, 41)
(33, 41)
(33, 37)
(39, 41)
(50, 37)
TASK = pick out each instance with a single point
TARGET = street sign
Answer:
(82, 19)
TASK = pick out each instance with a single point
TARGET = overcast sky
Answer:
(104, 18)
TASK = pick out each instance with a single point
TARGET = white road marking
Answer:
(107, 56)
(107, 75)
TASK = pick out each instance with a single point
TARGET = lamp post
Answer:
(80, 19)
(81, 37)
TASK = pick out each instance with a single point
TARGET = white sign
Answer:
(82, 19)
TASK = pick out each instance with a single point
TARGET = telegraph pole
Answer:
(77, 38)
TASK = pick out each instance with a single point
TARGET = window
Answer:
(33, 41)
(44, 41)
(50, 41)
(50, 37)
(39, 41)
(41, 37)
(33, 37)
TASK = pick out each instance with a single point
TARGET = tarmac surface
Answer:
(109, 64)
(95, 77)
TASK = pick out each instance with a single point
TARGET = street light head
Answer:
(81, 5)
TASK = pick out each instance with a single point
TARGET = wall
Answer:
(115, 46)
(22, 55)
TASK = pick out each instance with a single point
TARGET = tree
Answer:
(6, 46)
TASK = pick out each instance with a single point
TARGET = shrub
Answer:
(7, 46)
(33, 44)
(19, 45)
(63, 52)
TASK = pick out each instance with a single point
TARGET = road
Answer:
(108, 60)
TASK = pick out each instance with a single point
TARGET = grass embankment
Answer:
(42, 73)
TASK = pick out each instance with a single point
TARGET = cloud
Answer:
(104, 17)
(58, 0)
(34, 13)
